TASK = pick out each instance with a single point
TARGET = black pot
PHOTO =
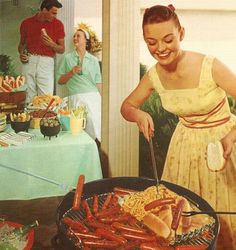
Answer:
(20, 126)
(50, 131)
(137, 183)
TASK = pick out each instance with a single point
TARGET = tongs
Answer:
(154, 165)
(191, 213)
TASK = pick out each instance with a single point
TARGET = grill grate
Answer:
(205, 235)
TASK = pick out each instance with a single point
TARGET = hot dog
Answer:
(134, 222)
(96, 224)
(177, 214)
(44, 32)
(159, 202)
(17, 84)
(149, 246)
(123, 191)
(22, 80)
(109, 235)
(2, 89)
(108, 212)
(154, 246)
(84, 235)
(107, 244)
(11, 82)
(124, 227)
(130, 245)
(6, 86)
(192, 247)
(86, 248)
(95, 203)
(6, 78)
(138, 236)
(75, 225)
(88, 212)
(107, 201)
(78, 192)
(114, 200)
(119, 218)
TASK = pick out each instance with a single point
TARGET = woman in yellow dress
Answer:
(192, 86)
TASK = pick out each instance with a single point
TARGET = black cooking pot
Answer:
(138, 183)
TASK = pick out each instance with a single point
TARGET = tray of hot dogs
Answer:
(130, 213)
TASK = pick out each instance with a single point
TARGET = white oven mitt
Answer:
(215, 159)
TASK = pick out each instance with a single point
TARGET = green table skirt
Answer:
(61, 159)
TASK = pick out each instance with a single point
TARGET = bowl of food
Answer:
(20, 122)
(37, 115)
(50, 127)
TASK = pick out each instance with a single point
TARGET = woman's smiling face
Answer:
(79, 38)
(163, 41)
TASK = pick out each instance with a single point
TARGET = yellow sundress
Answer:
(204, 116)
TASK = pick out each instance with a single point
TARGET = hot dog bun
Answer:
(157, 225)
(215, 159)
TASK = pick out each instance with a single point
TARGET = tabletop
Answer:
(61, 159)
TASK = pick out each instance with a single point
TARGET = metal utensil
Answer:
(191, 213)
(154, 165)
(61, 185)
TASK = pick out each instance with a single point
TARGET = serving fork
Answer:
(154, 165)
(191, 213)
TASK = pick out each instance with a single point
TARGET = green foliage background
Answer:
(6, 66)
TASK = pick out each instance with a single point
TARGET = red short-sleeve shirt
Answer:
(30, 30)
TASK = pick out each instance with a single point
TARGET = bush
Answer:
(6, 66)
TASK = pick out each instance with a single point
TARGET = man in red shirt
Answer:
(41, 37)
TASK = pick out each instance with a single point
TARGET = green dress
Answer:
(204, 116)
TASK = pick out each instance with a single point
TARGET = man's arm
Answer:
(58, 46)
(21, 47)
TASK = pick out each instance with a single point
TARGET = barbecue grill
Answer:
(101, 187)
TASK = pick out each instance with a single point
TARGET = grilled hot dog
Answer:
(78, 192)
(159, 202)
(107, 244)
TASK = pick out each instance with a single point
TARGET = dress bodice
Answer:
(194, 104)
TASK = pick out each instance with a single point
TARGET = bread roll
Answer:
(215, 159)
(166, 215)
(157, 225)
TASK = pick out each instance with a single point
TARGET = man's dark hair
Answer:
(48, 4)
